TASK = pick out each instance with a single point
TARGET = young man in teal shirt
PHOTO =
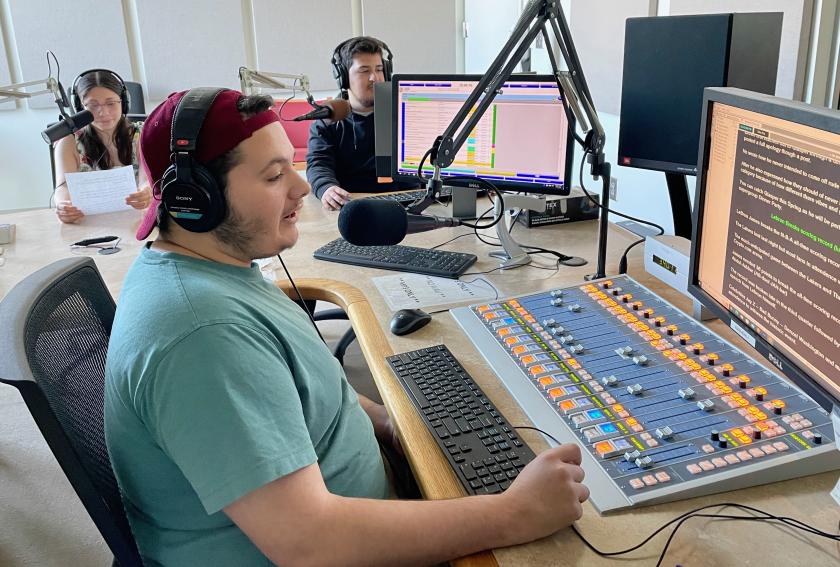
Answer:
(233, 433)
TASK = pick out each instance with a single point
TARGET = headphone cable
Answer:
(301, 299)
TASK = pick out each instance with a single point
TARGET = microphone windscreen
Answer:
(340, 109)
(369, 222)
(63, 127)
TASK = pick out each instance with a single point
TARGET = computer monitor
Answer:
(524, 141)
(668, 61)
(766, 251)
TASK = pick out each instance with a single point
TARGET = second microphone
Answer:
(369, 222)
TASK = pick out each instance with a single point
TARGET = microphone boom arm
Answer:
(251, 79)
(537, 17)
(15, 90)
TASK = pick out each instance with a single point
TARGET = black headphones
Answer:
(341, 73)
(189, 192)
(76, 100)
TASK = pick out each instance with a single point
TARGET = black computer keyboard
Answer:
(408, 197)
(481, 446)
(401, 258)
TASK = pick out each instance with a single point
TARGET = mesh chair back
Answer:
(56, 327)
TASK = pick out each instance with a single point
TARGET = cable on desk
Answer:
(444, 243)
(561, 258)
(497, 220)
(622, 263)
(487, 183)
(682, 518)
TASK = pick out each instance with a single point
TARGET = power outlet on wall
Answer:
(613, 189)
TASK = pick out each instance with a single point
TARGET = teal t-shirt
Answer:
(217, 384)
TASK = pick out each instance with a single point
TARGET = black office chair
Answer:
(56, 324)
(136, 103)
(346, 339)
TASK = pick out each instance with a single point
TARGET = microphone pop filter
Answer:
(368, 222)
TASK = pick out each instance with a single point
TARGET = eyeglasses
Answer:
(110, 106)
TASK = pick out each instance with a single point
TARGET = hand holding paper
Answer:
(96, 192)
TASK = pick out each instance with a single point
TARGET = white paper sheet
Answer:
(96, 192)
(407, 291)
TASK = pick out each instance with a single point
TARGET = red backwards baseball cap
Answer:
(223, 129)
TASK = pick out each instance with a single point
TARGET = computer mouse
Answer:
(407, 321)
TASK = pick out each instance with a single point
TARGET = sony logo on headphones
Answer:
(180, 198)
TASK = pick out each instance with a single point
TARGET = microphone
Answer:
(333, 110)
(369, 222)
(66, 126)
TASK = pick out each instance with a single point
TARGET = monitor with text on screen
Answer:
(766, 248)
(522, 143)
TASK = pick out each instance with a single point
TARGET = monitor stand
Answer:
(512, 254)
(680, 204)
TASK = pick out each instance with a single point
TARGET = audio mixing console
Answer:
(664, 408)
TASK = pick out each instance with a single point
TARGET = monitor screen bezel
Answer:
(793, 111)
(504, 185)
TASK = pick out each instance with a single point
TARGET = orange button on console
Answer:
(567, 405)
(603, 448)
(556, 393)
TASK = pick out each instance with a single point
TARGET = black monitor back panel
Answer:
(668, 61)
(382, 128)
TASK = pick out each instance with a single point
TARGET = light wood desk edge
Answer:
(430, 467)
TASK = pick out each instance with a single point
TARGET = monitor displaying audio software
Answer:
(766, 248)
(523, 142)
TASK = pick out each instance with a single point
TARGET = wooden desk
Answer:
(40, 240)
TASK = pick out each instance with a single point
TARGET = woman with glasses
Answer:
(109, 141)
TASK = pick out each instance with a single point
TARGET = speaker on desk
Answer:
(668, 61)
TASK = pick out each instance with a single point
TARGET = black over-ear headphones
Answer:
(76, 100)
(189, 192)
(341, 73)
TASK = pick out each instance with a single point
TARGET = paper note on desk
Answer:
(406, 291)
(96, 192)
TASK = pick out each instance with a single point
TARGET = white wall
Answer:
(253, 30)
(168, 46)
(489, 23)
(25, 180)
